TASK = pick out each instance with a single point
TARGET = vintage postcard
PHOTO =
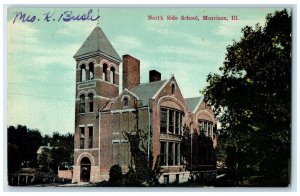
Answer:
(149, 96)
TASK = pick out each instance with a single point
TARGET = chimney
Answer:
(131, 72)
(154, 76)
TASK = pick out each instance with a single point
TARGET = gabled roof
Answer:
(193, 103)
(97, 42)
(146, 91)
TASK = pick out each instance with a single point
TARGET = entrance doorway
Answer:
(85, 169)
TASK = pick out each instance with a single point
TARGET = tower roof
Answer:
(97, 42)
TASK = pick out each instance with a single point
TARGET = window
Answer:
(173, 88)
(177, 154)
(125, 153)
(81, 137)
(82, 104)
(163, 153)
(91, 70)
(125, 101)
(166, 179)
(91, 102)
(171, 153)
(115, 149)
(91, 137)
(177, 123)
(205, 128)
(171, 121)
(163, 120)
(112, 75)
(82, 73)
(104, 76)
(177, 178)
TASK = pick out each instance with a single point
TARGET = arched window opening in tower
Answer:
(82, 73)
(91, 71)
(112, 75)
(104, 72)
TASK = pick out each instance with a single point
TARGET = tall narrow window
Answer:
(173, 88)
(177, 154)
(81, 137)
(91, 71)
(116, 156)
(104, 72)
(208, 129)
(171, 153)
(205, 129)
(180, 123)
(82, 73)
(171, 121)
(82, 104)
(163, 120)
(177, 122)
(112, 75)
(163, 153)
(91, 102)
(125, 153)
(91, 137)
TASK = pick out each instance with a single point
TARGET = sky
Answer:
(41, 68)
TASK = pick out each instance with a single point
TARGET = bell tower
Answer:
(97, 82)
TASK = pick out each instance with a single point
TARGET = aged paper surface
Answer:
(115, 96)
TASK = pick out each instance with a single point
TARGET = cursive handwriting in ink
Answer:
(48, 16)
(68, 16)
(23, 17)
(65, 16)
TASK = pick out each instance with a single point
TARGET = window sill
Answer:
(164, 166)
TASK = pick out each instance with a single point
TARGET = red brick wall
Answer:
(131, 72)
(67, 174)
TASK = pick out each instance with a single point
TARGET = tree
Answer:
(141, 173)
(197, 151)
(23, 144)
(13, 158)
(252, 98)
(27, 141)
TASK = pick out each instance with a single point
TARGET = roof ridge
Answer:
(153, 82)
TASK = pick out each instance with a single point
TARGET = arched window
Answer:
(82, 104)
(104, 72)
(112, 75)
(91, 70)
(125, 101)
(173, 88)
(91, 102)
(82, 73)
